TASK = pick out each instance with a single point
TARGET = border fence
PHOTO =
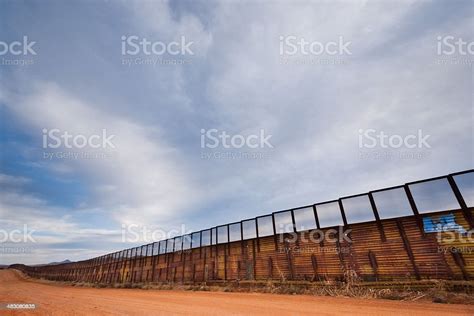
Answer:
(419, 230)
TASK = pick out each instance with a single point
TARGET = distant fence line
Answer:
(449, 192)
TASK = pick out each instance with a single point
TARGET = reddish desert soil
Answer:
(52, 299)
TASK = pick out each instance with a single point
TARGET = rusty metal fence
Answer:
(413, 231)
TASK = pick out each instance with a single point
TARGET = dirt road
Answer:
(67, 300)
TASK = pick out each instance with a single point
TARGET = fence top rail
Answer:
(427, 180)
(461, 172)
(326, 202)
(388, 189)
(353, 196)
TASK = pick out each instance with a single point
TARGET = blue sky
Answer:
(235, 81)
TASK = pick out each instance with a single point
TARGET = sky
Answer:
(370, 67)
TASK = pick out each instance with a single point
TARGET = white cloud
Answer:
(142, 176)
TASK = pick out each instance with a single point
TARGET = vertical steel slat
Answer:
(408, 249)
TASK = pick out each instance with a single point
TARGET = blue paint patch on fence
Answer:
(442, 223)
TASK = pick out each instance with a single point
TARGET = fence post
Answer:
(418, 218)
(377, 217)
(465, 211)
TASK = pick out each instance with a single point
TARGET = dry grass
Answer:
(437, 291)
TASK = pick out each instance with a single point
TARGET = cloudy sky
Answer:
(242, 74)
